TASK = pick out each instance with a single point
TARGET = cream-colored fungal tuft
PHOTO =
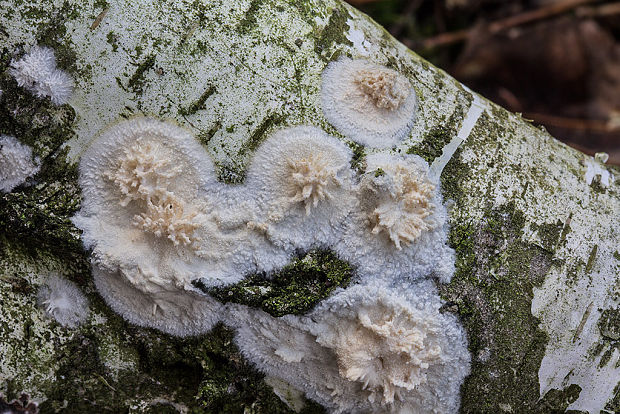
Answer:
(385, 88)
(387, 348)
(368, 349)
(367, 102)
(406, 208)
(169, 217)
(400, 218)
(145, 216)
(312, 180)
(142, 172)
(301, 180)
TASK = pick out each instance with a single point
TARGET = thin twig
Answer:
(592, 125)
(411, 8)
(497, 26)
(599, 11)
(99, 18)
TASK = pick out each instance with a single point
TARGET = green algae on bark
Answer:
(264, 58)
(292, 290)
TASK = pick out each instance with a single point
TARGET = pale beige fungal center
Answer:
(388, 351)
(169, 217)
(142, 172)
(385, 88)
(311, 180)
(403, 216)
(143, 175)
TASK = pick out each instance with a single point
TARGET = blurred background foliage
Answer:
(555, 61)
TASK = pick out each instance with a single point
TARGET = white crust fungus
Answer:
(365, 350)
(400, 218)
(37, 72)
(16, 163)
(146, 303)
(301, 180)
(367, 102)
(62, 300)
(144, 184)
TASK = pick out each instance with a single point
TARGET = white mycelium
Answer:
(145, 215)
(16, 163)
(63, 300)
(301, 180)
(37, 72)
(157, 220)
(367, 349)
(369, 103)
(157, 305)
(400, 219)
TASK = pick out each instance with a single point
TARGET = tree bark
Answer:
(535, 224)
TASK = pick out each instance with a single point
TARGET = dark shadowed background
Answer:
(555, 61)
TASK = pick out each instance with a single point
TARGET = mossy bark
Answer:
(534, 223)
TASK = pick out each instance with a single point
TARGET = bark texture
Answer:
(535, 224)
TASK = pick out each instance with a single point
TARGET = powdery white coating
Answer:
(301, 180)
(37, 72)
(399, 218)
(369, 103)
(174, 311)
(366, 349)
(62, 300)
(157, 219)
(16, 163)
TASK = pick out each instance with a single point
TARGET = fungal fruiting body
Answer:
(301, 180)
(62, 300)
(171, 310)
(400, 218)
(367, 102)
(367, 349)
(146, 217)
(37, 72)
(158, 222)
(16, 163)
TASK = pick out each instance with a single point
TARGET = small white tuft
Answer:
(301, 179)
(369, 103)
(400, 218)
(62, 300)
(37, 72)
(16, 163)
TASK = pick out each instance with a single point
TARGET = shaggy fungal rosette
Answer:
(16, 163)
(367, 349)
(301, 180)
(367, 102)
(400, 218)
(142, 176)
(62, 300)
(145, 216)
(405, 211)
(37, 72)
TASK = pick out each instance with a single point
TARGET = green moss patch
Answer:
(335, 32)
(39, 210)
(492, 291)
(293, 290)
(232, 385)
